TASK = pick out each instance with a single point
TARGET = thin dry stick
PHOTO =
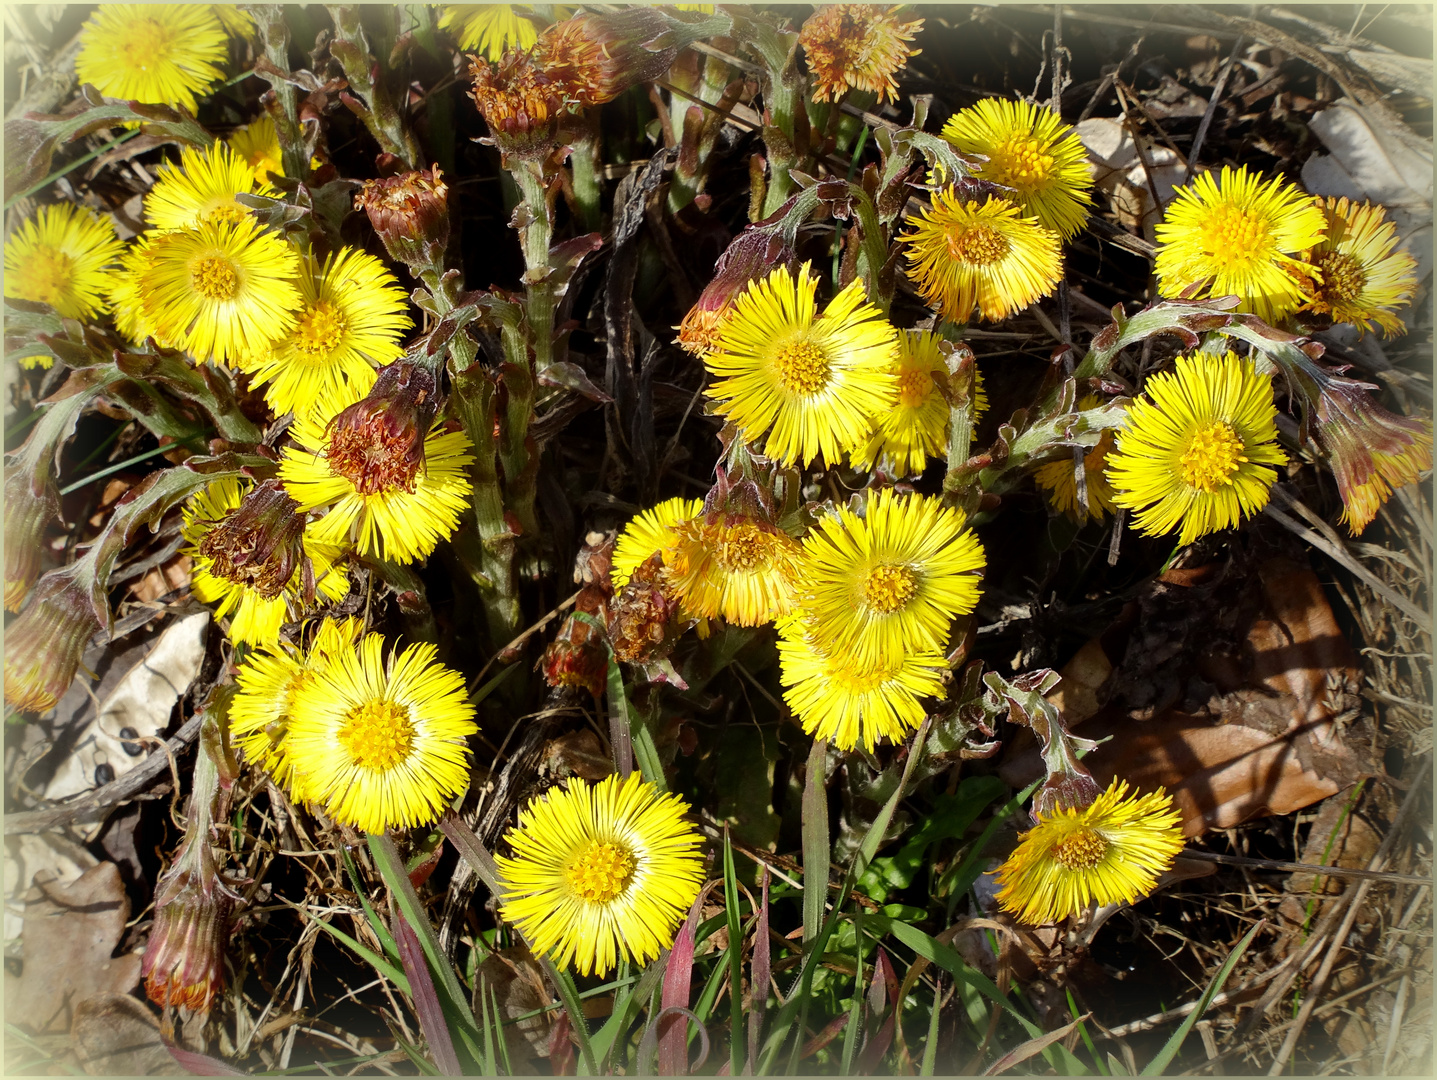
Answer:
(1308, 868)
(1207, 115)
(477, 681)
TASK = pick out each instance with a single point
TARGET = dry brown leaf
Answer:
(118, 1035)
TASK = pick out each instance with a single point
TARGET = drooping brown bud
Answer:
(578, 656)
(410, 212)
(749, 256)
(260, 543)
(596, 56)
(26, 515)
(644, 623)
(1069, 790)
(44, 644)
(521, 104)
(184, 960)
(378, 444)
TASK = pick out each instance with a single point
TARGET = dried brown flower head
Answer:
(857, 47)
(410, 212)
(377, 444)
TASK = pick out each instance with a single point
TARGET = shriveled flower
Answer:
(254, 558)
(380, 744)
(1058, 478)
(645, 618)
(44, 643)
(601, 872)
(963, 255)
(491, 29)
(269, 680)
(1363, 273)
(351, 319)
(64, 256)
(1113, 850)
(1197, 453)
(750, 256)
(521, 103)
(907, 435)
(1032, 151)
(597, 55)
(814, 383)
(853, 705)
(201, 189)
(649, 532)
(394, 485)
(1240, 236)
(857, 47)
(410, 212)
(184, 961)
(740, 567)
(221, 290)
(881, 586)
(161, 54)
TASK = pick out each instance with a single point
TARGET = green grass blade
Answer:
(391, 947)
(815, 842)
(569, 995)
(930, 1045)
(373, 959)
(735, 957)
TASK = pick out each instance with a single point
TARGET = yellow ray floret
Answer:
(380, 744)
(813, 382)
(64, 256)
(648, 532)
(201, 189)
(849, 705)
(1032, 151)
(1110, 851)
(257, 145)
(965, 255)
(162, 54)
(601, 872)
(736, 567)
(351, 318)
(491, 29)
(1197, 452)
(1059, 480)
(1364, 275)
(1239, 236)
(881, 586)
(221, 290)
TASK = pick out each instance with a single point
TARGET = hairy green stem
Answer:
(379, 113)
(274, 33)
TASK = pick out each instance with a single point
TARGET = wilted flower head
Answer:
(43, 645)
(596, 56)
(1362, 277)
(184, 960)
(377, 444)
(521, 103)
(857, 47)
(646, 617)
(260, 543)
(410, 212)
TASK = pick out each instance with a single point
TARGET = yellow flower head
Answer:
(250, 562)
(161, 54)
(1198, 451)
(817, 381)
(1032, 151)
(490, 29)
(601, 871)
(964, 255)
(269, 680)
(125, 293)
(1239, 236)
(1059, 481)
(63, 257)
(378, 744)
(201, 189)
(881, 586)
(856, 47)
(648, 532)
(351, 318)
(257, 145)
(1109, 851)
(221, 290)
(851, 705)
(385, 499)
(741, 568)
(1362, 277)
(906, 436)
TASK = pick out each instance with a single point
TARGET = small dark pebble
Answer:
(104, 773)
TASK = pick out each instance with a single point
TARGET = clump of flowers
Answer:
(857, 47)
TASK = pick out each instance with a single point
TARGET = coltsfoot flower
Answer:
(1109, 851)
(257, 145)
(857, 47)
(740, 567)
(917, 427)
(1197, 453)
(1363, 274)
(1058, 478)
(491, 29)
(601, 871)
(651, 531)
(64, 256)
(201, 189)
(161, 54)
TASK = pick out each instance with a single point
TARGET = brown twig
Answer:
(1211, 109)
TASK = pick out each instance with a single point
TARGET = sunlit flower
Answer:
(907, 435)
(857, 47)
(964, 255)
(887, 584)
(1239, 236)
(1362, 277)
(650, 531)
(601, 872)
(1032, 151)
(269, 680)
(394, 485)
(492, 28)
(257, 145)
(126, 294)
(201, 189)
(351, 319)
(64, 256)
(813, 382)
(735, 566)
(1197, 452)
(250, 548)
(161, 54)
(380, 744)
(1059, 480)
(852, 705)
(1113, 850)
(220, 291)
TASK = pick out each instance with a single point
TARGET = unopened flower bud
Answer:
(26, 515)
(377, 444)
(44, 644)
(596, 56)
(521, 104)
(184, 961)
(410, 212)
(260, 543)
(750, 255)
